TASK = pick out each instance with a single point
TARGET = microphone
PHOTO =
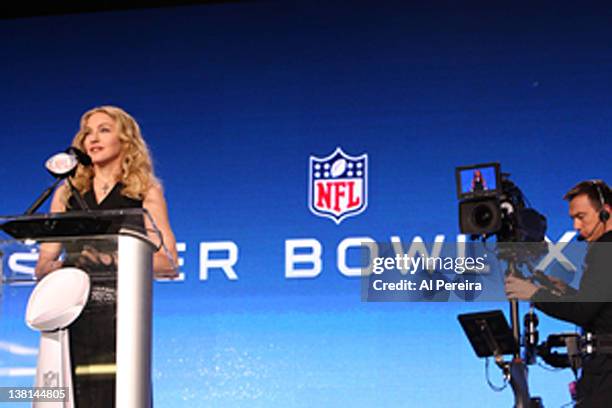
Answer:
(80, 155)
(85, 160)
(581, 238)
(62, 166)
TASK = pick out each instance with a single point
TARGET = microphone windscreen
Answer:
(81, 156)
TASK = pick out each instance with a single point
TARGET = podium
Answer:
(127, 239)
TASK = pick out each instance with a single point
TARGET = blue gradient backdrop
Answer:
(234, 97)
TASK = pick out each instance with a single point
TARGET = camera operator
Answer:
(590, 307)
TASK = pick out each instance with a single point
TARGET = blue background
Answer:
(233, 99)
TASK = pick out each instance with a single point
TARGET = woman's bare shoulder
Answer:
(58, 203)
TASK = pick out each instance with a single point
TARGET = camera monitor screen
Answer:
(478, 180)
(488, 332)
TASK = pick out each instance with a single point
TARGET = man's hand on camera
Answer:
(521, 289)
(562, 287)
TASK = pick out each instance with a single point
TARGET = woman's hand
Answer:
(46, 267)
(91, 257)
(163, 266)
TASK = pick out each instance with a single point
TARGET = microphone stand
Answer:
(45, 195)
(77, 196)
(42, 198)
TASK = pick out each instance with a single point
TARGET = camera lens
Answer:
(482, 216)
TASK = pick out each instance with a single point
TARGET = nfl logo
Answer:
(338, 185)
(51, 379)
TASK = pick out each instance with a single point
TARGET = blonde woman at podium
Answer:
(120, 176)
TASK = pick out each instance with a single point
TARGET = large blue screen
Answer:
(238, 101)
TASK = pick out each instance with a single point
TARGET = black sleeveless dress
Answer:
(93, 334)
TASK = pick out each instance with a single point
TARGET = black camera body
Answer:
(491, 204)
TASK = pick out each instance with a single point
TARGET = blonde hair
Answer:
(137, 174)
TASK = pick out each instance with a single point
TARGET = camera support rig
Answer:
(492, 205)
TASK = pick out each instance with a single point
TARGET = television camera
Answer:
(491, 205)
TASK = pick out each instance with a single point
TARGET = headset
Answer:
(604, 215)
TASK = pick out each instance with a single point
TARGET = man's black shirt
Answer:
(594, 388)
(587, 308)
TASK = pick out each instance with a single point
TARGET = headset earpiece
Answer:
(604, 215)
